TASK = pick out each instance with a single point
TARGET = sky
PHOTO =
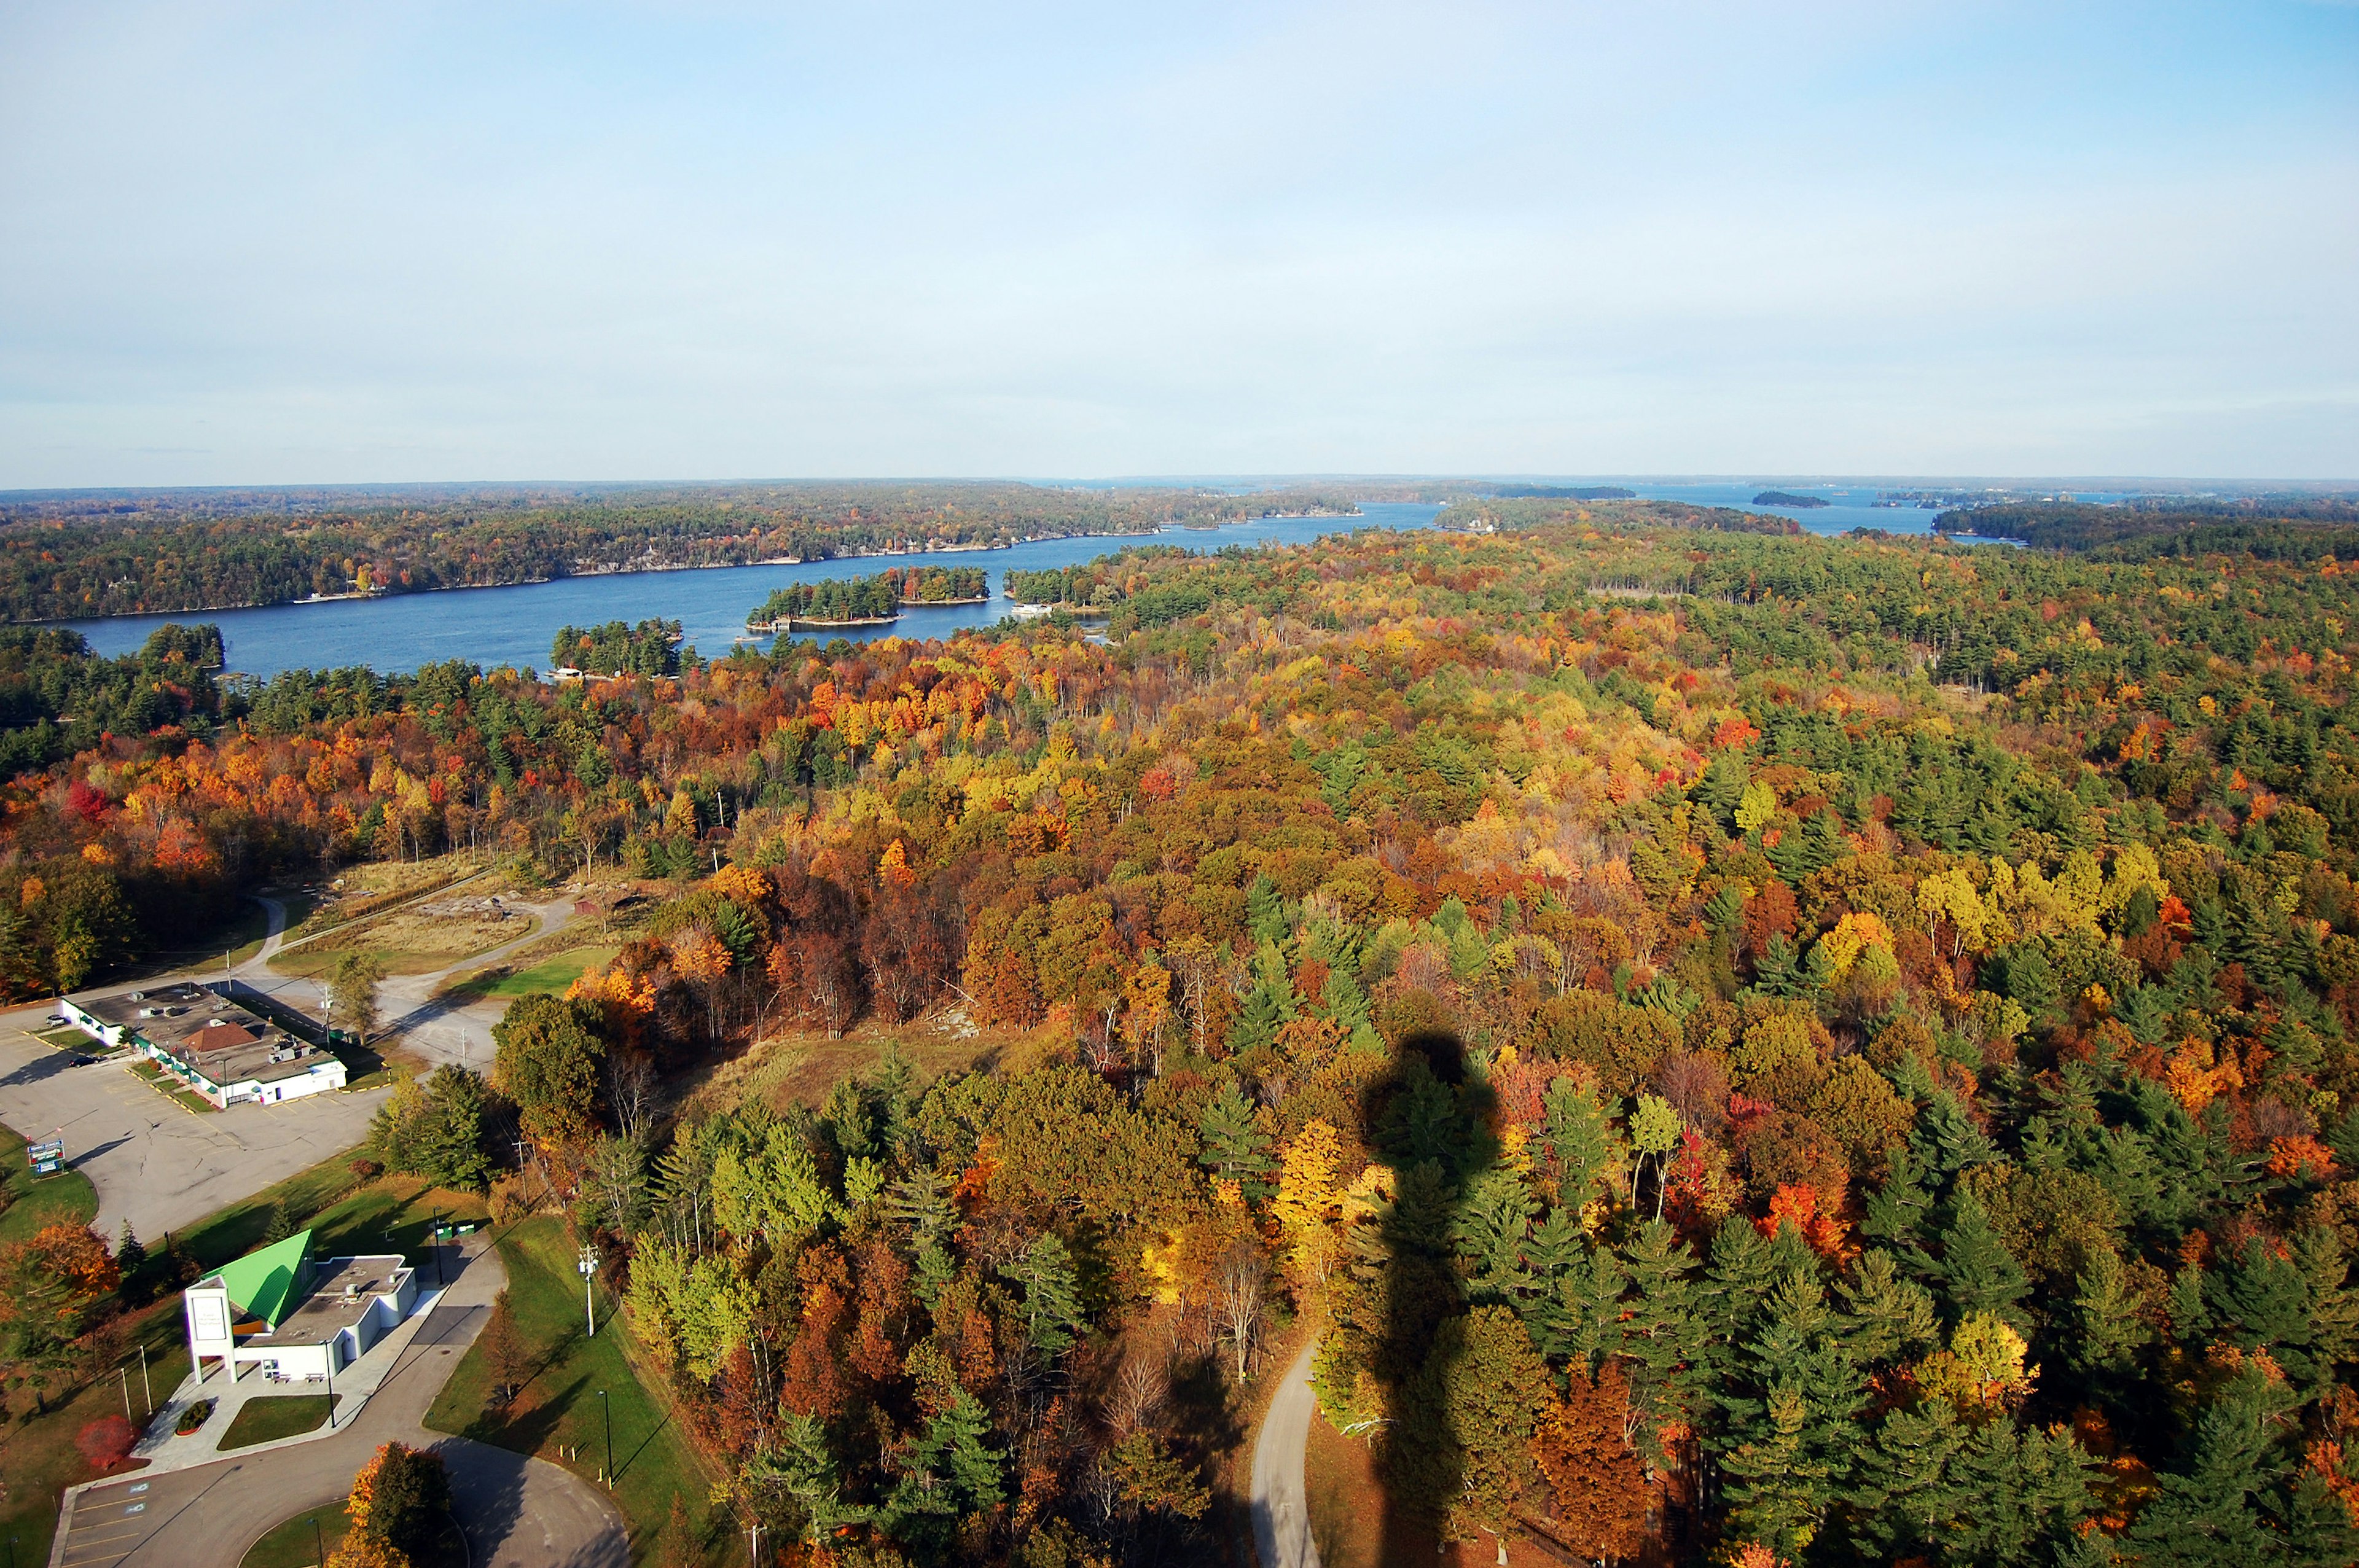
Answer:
(260, 243)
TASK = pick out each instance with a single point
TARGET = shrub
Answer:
(107, 1441)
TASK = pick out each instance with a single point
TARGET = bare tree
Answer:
(1239, 1284)
(631, 1092)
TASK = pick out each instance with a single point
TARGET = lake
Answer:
(495, 626)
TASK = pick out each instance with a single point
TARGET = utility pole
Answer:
(589, 1269)
(754, 1552)
(124, 1371)
(145, 1386)
(320, 1541)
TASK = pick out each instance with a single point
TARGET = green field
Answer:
(66, 1198)
(72, 1039)
(300, 1543)
(552, 974)
(274, 1416)
(559, 1408)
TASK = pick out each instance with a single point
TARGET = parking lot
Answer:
(154, 1161)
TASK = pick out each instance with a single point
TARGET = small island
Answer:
(927, 588)
(830, 604)
(1785, 498)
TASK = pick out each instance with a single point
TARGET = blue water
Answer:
(495, 626)
(1849, 506)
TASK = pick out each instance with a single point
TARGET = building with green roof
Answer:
(293, 1318)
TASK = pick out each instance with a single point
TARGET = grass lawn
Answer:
(346, 1216)
(66, 1198)
(274, 1416)
(295, 1543)
(148, 1073)
(550, 975)
(559, 1411)
(72, 1039)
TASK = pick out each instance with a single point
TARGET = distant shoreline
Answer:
(606, 571)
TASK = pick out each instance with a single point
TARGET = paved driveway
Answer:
(518, 1512)
(153, 1161)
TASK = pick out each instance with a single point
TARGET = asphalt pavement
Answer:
(1281, 1502)
(154, 1161)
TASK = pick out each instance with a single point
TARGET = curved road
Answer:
(518, 1512)
(1282, 1503)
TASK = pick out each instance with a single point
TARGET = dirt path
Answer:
(451, 1029)
(1281, 1502)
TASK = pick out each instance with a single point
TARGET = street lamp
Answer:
(589, 1270)
(320, 1541)
(606, 1407)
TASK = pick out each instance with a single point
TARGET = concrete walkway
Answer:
(1282, 1503)
(516, 1512)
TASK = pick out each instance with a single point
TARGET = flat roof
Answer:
(324, 1313)
(216, 1038)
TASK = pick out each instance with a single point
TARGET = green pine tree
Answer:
(1234, 1145)
(1053, 1293)
(1976, 1272)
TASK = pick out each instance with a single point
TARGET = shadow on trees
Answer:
(1432, 1121)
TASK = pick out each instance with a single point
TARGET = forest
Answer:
(2173, 525)
(76, 555)
(938, 585)
(831, 599)
(1738, 1047)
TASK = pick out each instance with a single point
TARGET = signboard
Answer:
(206, 1318)
(47, 1157)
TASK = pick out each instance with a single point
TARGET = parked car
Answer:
(57, 1018)
(82, 1061)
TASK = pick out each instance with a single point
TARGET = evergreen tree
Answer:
(2207, 1513)
(1267, 915)
(1588, 1152)
(1493, 1228)
(1777, 969)
(281, 1223)
(1663, 1338)
(1789, 1437)
(1053, 1293)
(1234, 1145)
(1976, 1272)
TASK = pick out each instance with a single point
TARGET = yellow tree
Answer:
(1308, 1203)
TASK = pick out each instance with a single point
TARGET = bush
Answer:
(195, 1416)
(107, 1441)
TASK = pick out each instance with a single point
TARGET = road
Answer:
(1282, 1503)
(516, 1512)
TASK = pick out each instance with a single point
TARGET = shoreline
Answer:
(603, 572)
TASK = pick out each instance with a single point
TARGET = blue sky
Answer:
(256, 243)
